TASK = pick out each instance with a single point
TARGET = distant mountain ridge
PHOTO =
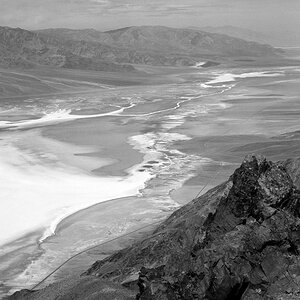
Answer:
(165, 39)
(115, 50)
(241, 33)
(275, 38)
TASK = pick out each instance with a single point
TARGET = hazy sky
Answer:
(261, 15)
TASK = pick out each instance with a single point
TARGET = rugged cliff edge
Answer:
(238, 241)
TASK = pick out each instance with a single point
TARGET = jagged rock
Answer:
(238, 241)
(293, 168)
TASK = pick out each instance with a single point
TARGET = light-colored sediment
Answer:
(49, 188)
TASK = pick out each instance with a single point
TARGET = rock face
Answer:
(238, 241)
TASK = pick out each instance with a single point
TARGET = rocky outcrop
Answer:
(238, 241)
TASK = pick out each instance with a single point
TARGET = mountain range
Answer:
(120, 50)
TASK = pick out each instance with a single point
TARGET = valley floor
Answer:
(147, 147)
